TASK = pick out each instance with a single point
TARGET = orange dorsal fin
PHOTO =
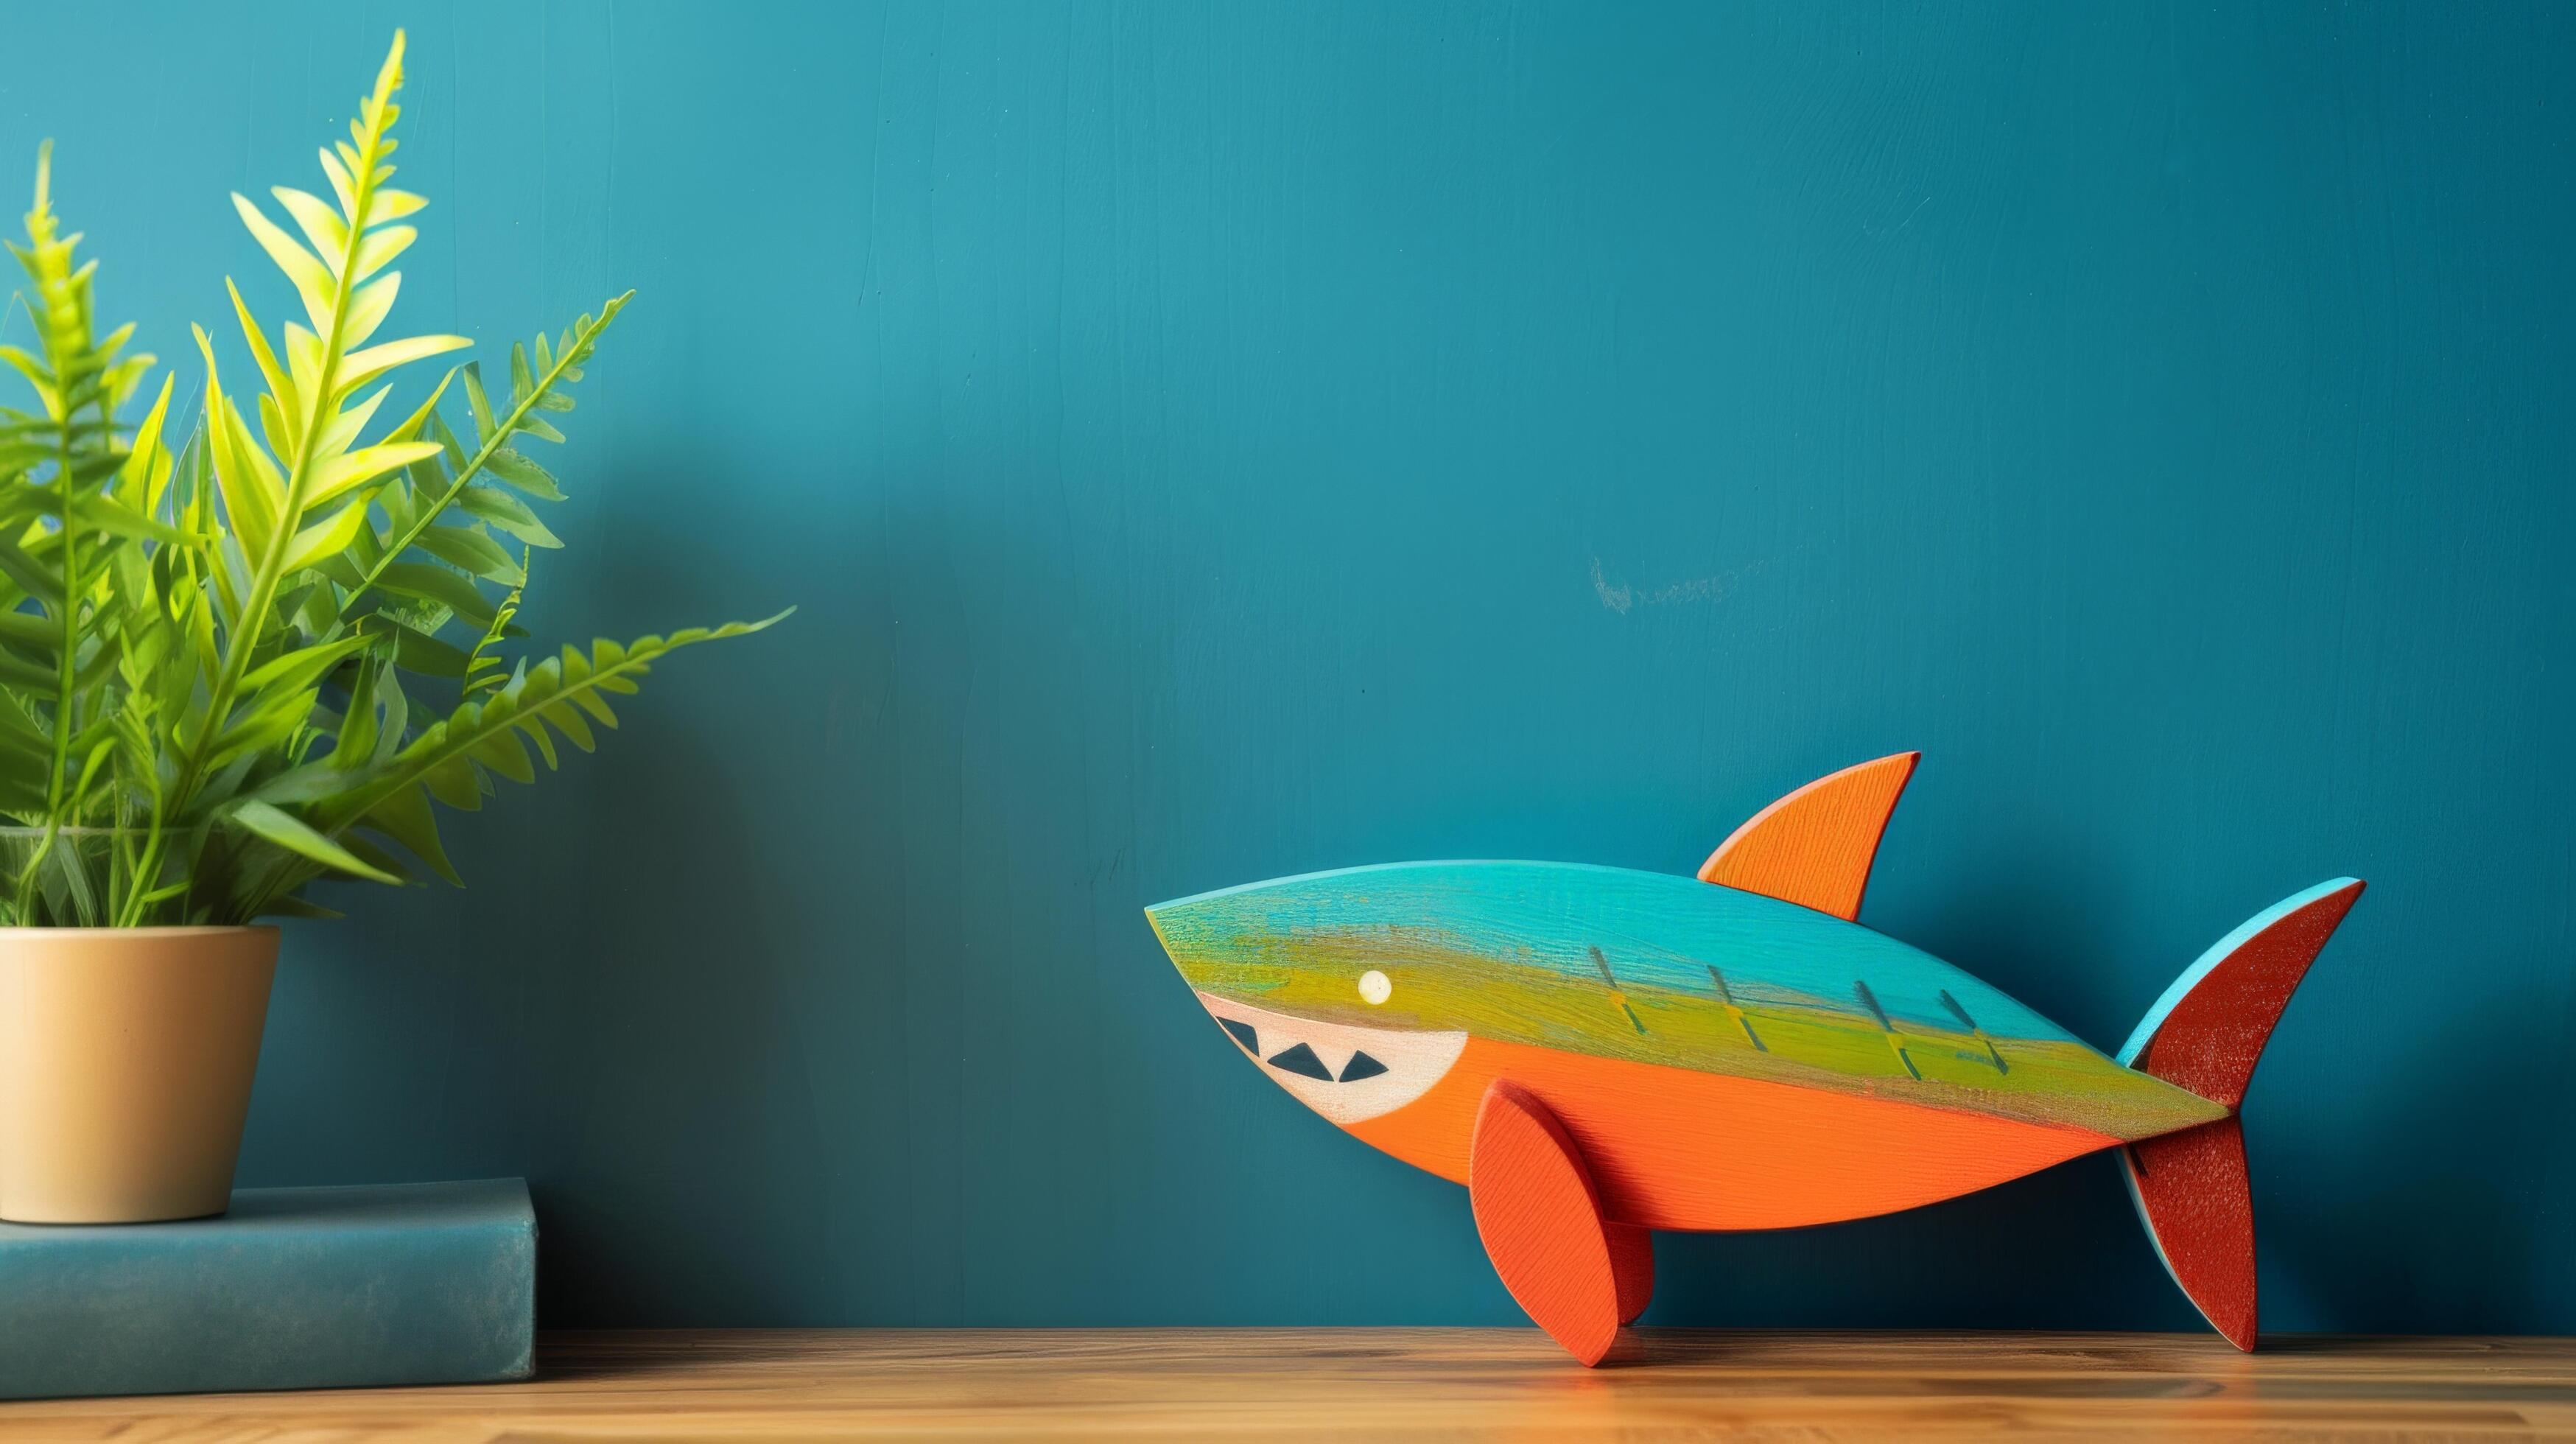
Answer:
(1814, 846)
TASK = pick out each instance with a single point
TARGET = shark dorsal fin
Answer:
(1814, 847)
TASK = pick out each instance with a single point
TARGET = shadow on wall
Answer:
(602, 1009)
(2016, 920)
(2443, 1239)
(1964, 1263)
(675, 1081)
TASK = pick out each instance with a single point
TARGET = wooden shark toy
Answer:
(1597, 1053)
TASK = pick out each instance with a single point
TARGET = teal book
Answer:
(296, 1288)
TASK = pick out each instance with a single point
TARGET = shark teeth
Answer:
(1345, 1072)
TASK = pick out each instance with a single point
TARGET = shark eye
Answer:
(1374, 987)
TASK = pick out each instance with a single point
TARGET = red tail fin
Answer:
(2205, 1034)
(2191, 1189)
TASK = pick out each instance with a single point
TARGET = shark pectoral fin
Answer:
(1541, 1222)
(1814, 847)
(1632, 1265)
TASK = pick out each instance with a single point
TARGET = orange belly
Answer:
(1680, 1149)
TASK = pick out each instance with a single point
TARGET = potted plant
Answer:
(237, 663)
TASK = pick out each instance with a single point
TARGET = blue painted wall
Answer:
(1212, 441)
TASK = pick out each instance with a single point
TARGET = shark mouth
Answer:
(1344, 1072)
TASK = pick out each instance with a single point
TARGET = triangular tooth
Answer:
(1302, 1061)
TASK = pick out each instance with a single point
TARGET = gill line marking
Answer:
(1617, 995)
(1994, 1054)
(1726, 999)
(1895, 1040)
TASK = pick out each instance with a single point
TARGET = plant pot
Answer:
(126, 1057)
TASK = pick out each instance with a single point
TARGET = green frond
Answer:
(453, 476)
(482, 666)
(477, 735)
(205, 639)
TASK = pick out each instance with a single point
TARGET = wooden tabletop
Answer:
(1413, 1384)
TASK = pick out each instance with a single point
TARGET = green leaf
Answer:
(298, 837)
(453, 780)
(485, 427)
(356, 741)
(418, 652)
(472, 551)
(408, 819)
(360, 367)
(26, 629)
(32, 577)
(451, 589)
(312, 280)
(325, 538)
(357, 468)
(496, 507)
(500, 751)
(524, 474)
(106, 515)
(311, 782)
(301, 667)
(567, 719)
(323, 230)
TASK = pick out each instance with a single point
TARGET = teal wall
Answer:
(1213, 441)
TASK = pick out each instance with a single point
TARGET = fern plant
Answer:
(227, 665)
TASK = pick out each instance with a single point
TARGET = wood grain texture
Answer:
(1541, 1223)
(1815, 846)
(1297, 1386)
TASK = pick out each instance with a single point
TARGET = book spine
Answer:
(133, 1311)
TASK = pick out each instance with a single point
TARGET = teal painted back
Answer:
(1653, 930)
(1213, 441)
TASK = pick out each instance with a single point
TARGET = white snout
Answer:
(1344, 1072)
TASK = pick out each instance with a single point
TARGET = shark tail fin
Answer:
(2205, 1034)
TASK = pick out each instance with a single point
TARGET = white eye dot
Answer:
(1374, 987)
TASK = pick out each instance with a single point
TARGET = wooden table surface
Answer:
(1412, 1384)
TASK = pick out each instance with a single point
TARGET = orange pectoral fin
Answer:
(1815, 846)
(1541, 1222)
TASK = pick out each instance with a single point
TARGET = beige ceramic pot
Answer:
(126, 1057)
